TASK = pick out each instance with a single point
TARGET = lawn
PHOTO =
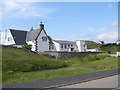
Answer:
(75, 66)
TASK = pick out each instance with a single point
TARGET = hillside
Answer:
(21, 60)
(112, 49)
(91, 44)
(22, 66)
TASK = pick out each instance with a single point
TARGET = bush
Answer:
(26, 46)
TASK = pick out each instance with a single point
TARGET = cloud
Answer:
(108, 37)
(91, 29)
(114, 24)
(25, 10)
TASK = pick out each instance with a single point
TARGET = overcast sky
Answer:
(65, 20)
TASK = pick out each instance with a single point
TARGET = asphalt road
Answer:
(107, 82)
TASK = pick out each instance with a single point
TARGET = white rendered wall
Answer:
(81, 46)
(68, 49)
(57, 46)
(118, 53)
(33, 45)
(42, 45)
(8, 35)
(92, 50)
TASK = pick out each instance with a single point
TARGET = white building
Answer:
(13, 37)
(40, 41)
(68, 46)
(92, 50)
(118, 42)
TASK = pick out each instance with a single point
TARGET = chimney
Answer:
(41, 26)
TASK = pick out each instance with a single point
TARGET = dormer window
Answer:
(44, 38)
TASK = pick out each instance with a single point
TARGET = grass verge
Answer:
(75, 66)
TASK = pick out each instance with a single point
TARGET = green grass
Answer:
(110, 48)
(62, 72)
(91, 44)
(20, 60)
(106, 48)
(76, 66)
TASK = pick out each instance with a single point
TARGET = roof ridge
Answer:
(17, 30)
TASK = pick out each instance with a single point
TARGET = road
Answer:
(107, 82)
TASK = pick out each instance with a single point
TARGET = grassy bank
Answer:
(112, 49)
(14, 58)
(91, 44)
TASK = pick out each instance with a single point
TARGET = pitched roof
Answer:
(19, 36)
(64, 42)
(32, 35)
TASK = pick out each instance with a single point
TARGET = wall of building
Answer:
(67, 49)
(8, 38)
(33, 45)
(81, 46)
(42, 45)
(63, 55)
(56, 46)
(92, 50)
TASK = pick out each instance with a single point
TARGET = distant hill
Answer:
(92, 44)
(110, 48)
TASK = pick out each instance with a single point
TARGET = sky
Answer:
(64, 20)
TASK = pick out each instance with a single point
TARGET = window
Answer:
(65, 45)
(61, 45)
(51, 47)
(9, 39)
(68, 45)
(44, 38)
(84, 45)
(71, 45)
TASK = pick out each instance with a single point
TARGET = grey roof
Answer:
(50, 40)
(64, 41)
(19, 36)
(32, 35)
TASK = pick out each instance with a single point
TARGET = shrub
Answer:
(26, 46)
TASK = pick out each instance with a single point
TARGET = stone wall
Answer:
(62, 55)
